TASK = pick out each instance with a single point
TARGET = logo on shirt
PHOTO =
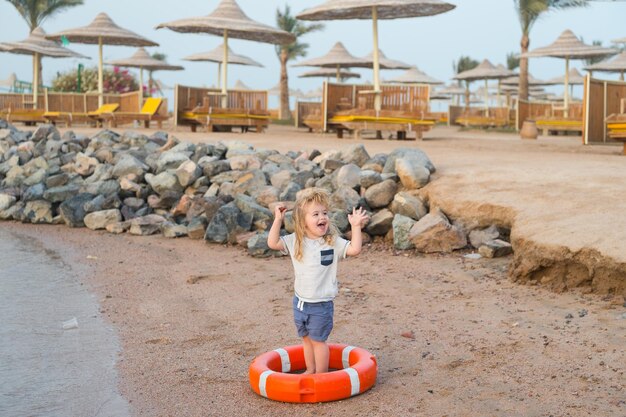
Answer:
(327, 256)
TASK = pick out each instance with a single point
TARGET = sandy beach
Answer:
(540, 333)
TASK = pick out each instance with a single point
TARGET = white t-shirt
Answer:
(316, 273)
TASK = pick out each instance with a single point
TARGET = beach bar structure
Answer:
(404, 109)
(604, 112)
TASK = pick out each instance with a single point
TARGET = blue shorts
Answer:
(314, 320)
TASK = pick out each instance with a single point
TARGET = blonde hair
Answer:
(310, 195)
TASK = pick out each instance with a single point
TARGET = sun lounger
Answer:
(151, 111)
(27, 116)
(216, 119)
(559, 124)
(359, 120)
(616, 125)
(92, 117)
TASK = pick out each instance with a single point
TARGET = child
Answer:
(315, 249)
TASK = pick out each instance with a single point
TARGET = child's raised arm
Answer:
(357, 219)
(273, 239)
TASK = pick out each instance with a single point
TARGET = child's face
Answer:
(316, 220)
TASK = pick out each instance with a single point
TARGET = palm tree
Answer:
(158, 56)
(528, 12)
(512, 61)
(287, 22)
(465, 63)
(34, 12)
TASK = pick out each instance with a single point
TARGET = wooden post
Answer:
(35, 79)
(566, 92)
(377, 98)
(140, 88)
(100, 74)
(224, 70)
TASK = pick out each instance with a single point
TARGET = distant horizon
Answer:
(486, 29)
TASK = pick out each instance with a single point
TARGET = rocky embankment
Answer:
(225, 194)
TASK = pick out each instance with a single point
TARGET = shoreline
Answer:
(480, 342)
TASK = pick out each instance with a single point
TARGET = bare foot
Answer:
(307, 372)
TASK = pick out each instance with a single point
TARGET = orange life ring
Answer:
(355, 372)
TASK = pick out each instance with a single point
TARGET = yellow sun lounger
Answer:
(149, 112)
(70, 117)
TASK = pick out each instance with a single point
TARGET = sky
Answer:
(480, 29)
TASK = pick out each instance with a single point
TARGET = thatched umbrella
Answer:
(574, 78)
(514, 81)
(142, 59)
(240, 85)
(453, 90)
(414, 76)
(375, 9)
(338, 57)
(485, 71)
(228, 20)
(9, 83)
(217, 55)
(38, 46)
(329, 72)
(617, 64)
(568, 46)
(102, 31)
(384, 62)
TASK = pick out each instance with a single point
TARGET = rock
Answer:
(495, 249)
(62, 193)
(101, 172)
(35, 192)
(146, 225)
(248, 205)
(245, 162)
(257, 246)
(173, 230)
(479, 237)
(187, 173)
(290, 192)
(380, 223)
(102, 187)
(355, 154)
(227, 223)
(171, 160)
(330, 165)
(128, 164)
(85, 165)
(434, 233)
(101, 219)
(338, 217)
(165, 181)
(72, 210)
(281, 178)
(412, 176)
(380, 195)
(417, 156)
(117, 228)
(369, 178)
(250, 182)
(401, 227)
(408, 205)
(348, 175)
(57, 180)
(38, 211)
(345, 199)
(197, 228)
(45, 131)
(213, 168)
(6, 201)
(267, 195)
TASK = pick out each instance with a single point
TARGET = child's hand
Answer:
(279, 212)
(358, 218)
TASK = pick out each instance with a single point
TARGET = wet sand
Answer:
(481, 345)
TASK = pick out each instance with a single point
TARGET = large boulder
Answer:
(417, 156)
(101, 219)
(38, 211)
(408, 205)
(412, 175)
(401, 228)
(380, 223)
(146, 225)
(227, 223)
(73, 211)
(381, 194)
(434, 233)
(128, 164)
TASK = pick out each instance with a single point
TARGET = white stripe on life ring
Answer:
(354, 381)
(263, 382)
(284, 359)
(345, 356)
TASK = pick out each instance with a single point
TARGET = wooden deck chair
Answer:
(149, 112)
(92, 117)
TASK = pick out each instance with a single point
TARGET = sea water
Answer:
(46, 370)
